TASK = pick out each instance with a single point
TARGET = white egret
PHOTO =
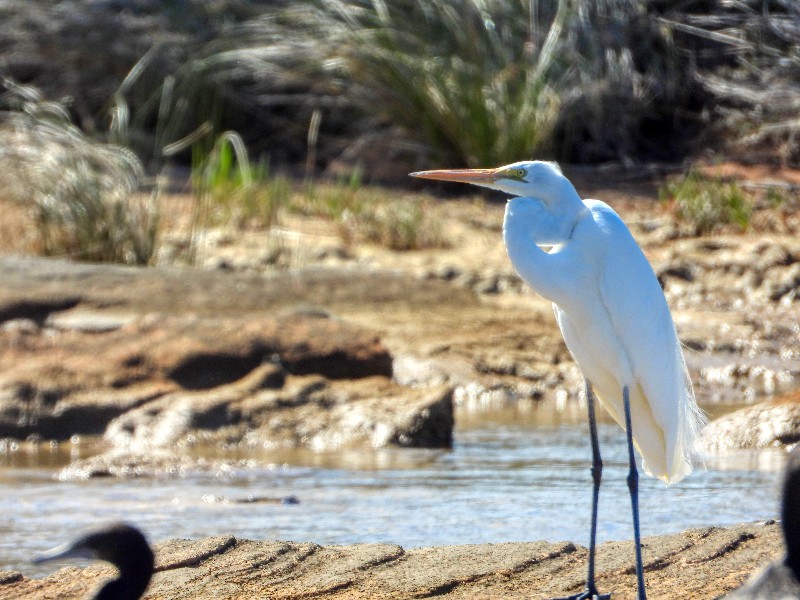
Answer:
(613, 316)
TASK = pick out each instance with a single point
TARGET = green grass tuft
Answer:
(367, 214)
(229, 190)
(708, 202)
(402, 226)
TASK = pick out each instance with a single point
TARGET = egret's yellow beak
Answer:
(473, 176)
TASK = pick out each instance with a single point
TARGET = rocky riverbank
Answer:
(357, 346)
(166, 359)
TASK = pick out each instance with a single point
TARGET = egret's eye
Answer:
(515, 174)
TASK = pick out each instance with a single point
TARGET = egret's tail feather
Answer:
(691, 419)
(694, 418)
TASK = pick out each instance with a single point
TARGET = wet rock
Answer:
(30, 408)
(309, 412)
(413, 371)
(153, 464)
(203, 353)
(10, 577)
(769, 424)
(58, 385)
(701, 563)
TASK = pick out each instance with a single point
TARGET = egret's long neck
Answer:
(529, 224)
(530, 262)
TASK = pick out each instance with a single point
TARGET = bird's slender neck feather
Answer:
(528, 224)
(131, 583)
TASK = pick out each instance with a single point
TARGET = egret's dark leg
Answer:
(591, 593)
(633, 486)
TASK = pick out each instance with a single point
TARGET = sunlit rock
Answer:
(769, 424)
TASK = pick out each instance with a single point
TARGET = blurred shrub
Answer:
(629, 88)
(476, 81)
(747, 57)
(472, 82)
(408, 225)
(463, 82)
(82, 193)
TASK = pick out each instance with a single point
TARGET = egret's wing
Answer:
(643, 325)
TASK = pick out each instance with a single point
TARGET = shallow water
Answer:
(512, 476)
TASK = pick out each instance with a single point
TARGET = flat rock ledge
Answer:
(699, 563)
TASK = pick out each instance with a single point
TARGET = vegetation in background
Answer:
(629, 86)
(746, 55)
(708, 202)
(336, 201)
(477, 82)
(367, 214)
(465, 83)
(407, 225)
(230, 189)
(82, 192)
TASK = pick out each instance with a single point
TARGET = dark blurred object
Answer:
(122, 545)
(780, 580)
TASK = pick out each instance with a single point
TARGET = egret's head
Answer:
(545, 206)
(538, 179)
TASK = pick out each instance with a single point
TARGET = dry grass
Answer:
(748, 60)
(79, 193)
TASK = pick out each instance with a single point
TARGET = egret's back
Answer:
(617, 326)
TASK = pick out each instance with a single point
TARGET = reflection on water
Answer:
(513, 475)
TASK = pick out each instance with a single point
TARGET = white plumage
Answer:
(608, 304)
(618, 328)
